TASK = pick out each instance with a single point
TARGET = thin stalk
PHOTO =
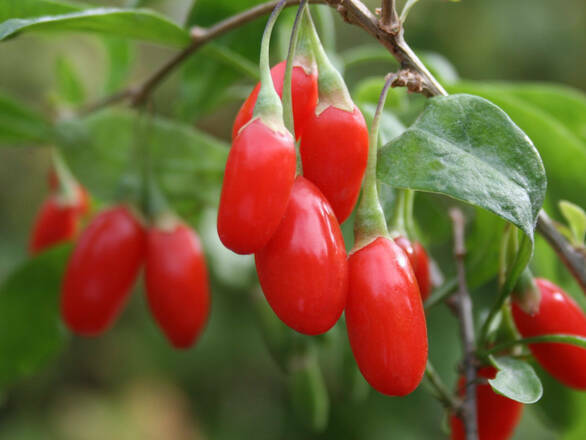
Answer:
(578, 341)
(370, 219)
(443, 393)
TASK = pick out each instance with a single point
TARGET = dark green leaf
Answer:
(516, 380)
(139, 24)
(19, 124)
(69, 85)
(467, 148)
(31, 333)
(563, 151)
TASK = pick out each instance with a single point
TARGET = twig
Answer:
(443, 394)
(200, 36)
(464, 309)
(572, 258)
(389, 18)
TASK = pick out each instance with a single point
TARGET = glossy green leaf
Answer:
(562, 149)
(465, 147)
(31, 333)
(139, 24)
(187, 163)
(20, 124)
(516, 380)
(576, 218)
(69, 86)
(35, 8)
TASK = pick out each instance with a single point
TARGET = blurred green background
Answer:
(128, 384)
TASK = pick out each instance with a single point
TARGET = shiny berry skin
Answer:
(57, 221)
(334, 151)
(258, 179)
(176, 283)
(385, 318)
(497, 415)
(419, 262)
(101, 271)
(303, 92)
(303, 269)
(557, 313)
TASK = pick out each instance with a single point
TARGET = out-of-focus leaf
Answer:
(31, 333)
(69, 85)
(440, 67)
(138, 24)
(187, 163)
(20, 124)
(35, 8)
(576, 218)
(467, 148)
(516, 380)
(120, 54)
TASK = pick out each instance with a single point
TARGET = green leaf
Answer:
(516, 380)
(465, 147)
(187, 163)
(34, 8)
(31, 333)
(20, 124)
(563, 151)
(576, 218)
(120, 54)
(69, 85)
(139, 24)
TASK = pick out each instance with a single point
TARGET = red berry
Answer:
(385, 318)
(177, 283)
(497, 415)
(334, 150)
(101, 271)
(57, 221)
(419, 262)
(258, 179)
(303, 270)
(303, 92)
(557, 313)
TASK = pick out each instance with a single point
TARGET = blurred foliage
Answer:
(129, 384)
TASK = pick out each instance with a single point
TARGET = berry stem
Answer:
(370, 219)
(67, 184)
(268, 104)
(331, 86)
(401, 222)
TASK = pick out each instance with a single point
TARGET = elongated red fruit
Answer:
(497, 415)
(419, 262)
(101, 271)
(385, 318)
(334, 150)
(557, 313)
(258, 179)
(177, 283)
(303, 93)
(303, 270)
(57, 221)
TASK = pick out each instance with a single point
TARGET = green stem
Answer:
(578, 341)
(268, 104)
(402, 220)
(443, 393)
(287, 93)
(331, 86)
(441, 293)
(67, 183)
(370, 219)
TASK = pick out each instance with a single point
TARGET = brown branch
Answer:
(463, 305)
(574, 260)
(200, 36)
(389, 18)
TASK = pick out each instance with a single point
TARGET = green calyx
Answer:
(68, 187)
(526, 293)
(370, 219)
(331, 86)
(268, 104)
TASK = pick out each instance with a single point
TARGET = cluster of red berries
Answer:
(552, 311)
(106, 261)
(292, 225)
